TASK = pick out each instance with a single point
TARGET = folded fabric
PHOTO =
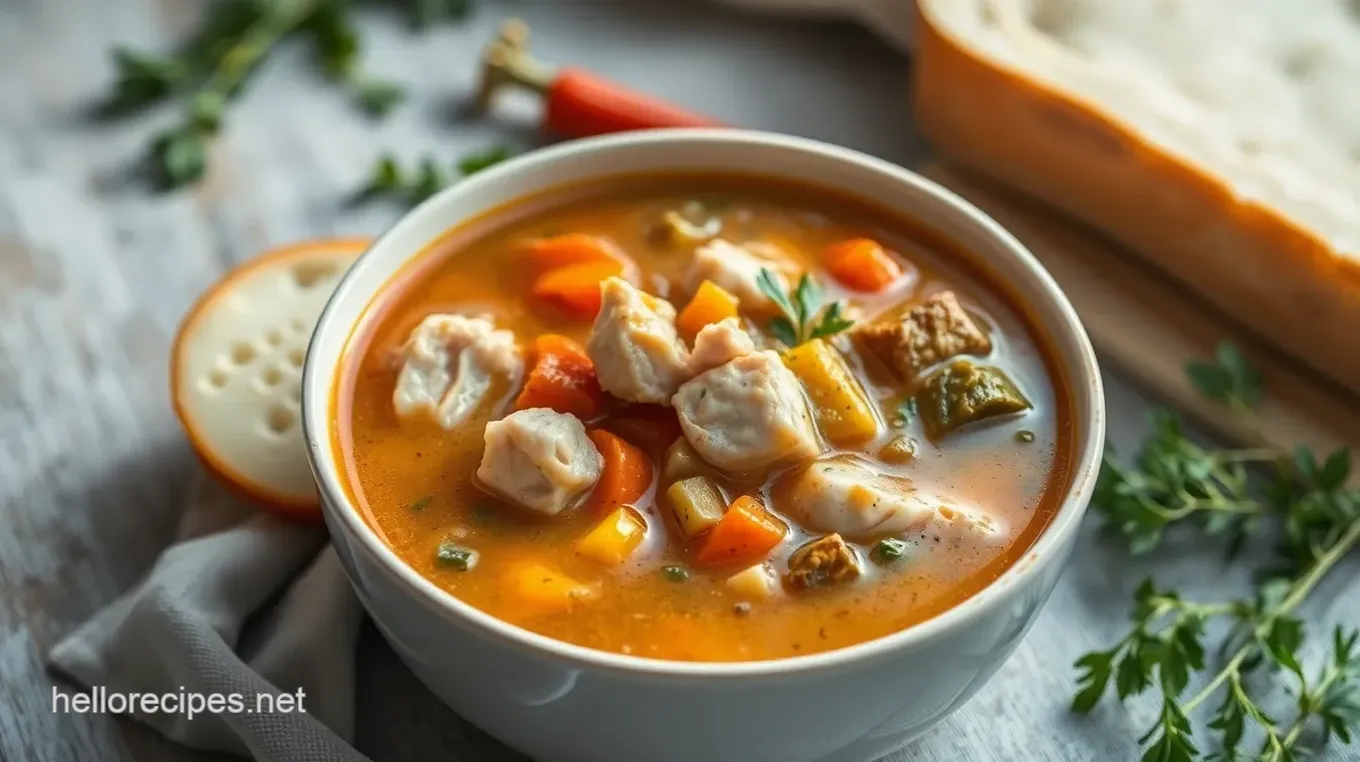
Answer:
(241, 605)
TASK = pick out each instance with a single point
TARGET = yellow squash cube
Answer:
(615, 538)
(844, 413)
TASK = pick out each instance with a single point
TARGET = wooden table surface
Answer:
(95, 272)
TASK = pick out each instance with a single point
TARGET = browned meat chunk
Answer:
(934, 330)
(824, 561)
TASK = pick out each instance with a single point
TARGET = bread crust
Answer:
(1279, 279)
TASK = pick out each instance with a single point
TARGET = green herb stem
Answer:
(1298, 592)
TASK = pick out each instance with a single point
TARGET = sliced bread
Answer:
(1220, 139)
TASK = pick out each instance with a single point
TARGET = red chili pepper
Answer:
(577, 103)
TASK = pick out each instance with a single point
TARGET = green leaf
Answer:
(770, 286)
(832, 322)
(1228, 379)
(1095, 668)
(419, 504)
(142, 80)
(1230, 721)
(476, 162)
(1246, 383)
(429, 180)
(1282, 641)
(1130, 677)
(378, 98)
(783, 331)
(807, 297)
(181, 157)
(675, 573)
(1335, 471)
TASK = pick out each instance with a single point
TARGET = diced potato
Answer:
(696, 504)
(844, 413)
(615, 538)
(682, 462)
(537, 588)
(754, 583)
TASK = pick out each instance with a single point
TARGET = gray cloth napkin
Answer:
(242, 603)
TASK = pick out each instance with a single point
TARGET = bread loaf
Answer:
(1220, 139)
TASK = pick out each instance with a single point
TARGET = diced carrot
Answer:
(570, 249)
(613, 540)
(626, 476)
(651, 427)
(746, 535)
(563, 379)
(576, 288)
(710, 304)
(862, 264)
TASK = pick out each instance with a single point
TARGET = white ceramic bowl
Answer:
(559, 702)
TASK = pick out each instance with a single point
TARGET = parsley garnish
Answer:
(675, 573)
(412, 186)
(1174, 481)
(419, 504)
(804, 318)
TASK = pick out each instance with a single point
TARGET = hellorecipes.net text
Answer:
(100, 700)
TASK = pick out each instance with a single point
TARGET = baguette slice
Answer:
(1223, 154)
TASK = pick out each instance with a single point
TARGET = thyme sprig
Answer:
(1175, 481)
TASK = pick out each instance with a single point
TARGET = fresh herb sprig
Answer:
(804, 316)
(213, 66)
(413, 185)
(1174, 481)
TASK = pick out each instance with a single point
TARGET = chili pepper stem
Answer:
(507, 62)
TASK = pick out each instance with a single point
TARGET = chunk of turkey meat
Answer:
(718, 344)
(848, 496)
(737, 270)
(539, 459)
(747, 415)
(637, 354)
(448, 365)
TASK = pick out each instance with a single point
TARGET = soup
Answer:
(702, 418)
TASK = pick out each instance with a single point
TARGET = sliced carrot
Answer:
(571, 249)
(627, 473)
(710, 304)
(563, 379)
(576, 288)
(862, 264)
(745, 535)
(651, 427)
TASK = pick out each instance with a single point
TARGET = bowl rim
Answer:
(342, 516)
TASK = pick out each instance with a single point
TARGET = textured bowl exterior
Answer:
(562, 703)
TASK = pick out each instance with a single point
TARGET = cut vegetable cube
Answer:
(696, 504)
(843, 411)
(754, 583)
(711, 303)
(745, 535)
(682, 462)
(963, 392)
(537, 588)
(613, 540)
